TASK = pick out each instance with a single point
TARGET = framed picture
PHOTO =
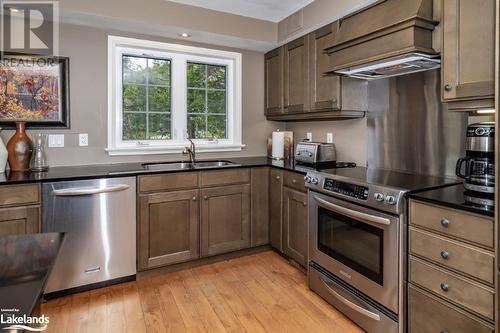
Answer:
(34, 89)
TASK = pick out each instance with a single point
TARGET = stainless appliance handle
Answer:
(352, 213)
(348, 303)
(72, 192)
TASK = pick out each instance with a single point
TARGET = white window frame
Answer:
(179, 55)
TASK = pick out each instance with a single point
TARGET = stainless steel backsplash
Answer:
(409, 129)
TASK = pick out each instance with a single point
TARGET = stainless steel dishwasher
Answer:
(99, 218)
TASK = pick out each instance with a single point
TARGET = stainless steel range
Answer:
(357, 233)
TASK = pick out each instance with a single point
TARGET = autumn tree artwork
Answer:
(31, 91)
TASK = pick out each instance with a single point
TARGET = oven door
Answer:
(357, 244)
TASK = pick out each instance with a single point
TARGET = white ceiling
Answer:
(268, 10)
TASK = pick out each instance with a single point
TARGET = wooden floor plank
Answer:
(258, 293)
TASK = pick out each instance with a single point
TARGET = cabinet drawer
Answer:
(20, 220)
(428, 314)
(225, 177)
(168, 182)
(19, 195)
(474, 297)
(468, 227)
(294, 180)
(455, 255)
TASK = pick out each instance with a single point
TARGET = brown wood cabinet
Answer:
(307, 93)
(274, 82)
(296, 76)
(168, 228)
(275, 207)
(468, 63)
(225, 219)
(295, 225)
(452, 261)
(260, 206)
(325, 89)
(19, 220)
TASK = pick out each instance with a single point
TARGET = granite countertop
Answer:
(26, 261)
(454, 197)
(131, 169)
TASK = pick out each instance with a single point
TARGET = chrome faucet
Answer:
(191, 151)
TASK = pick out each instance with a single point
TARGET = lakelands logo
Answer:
(29, 27)
(27, 323)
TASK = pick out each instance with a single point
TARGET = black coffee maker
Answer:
(477, 168)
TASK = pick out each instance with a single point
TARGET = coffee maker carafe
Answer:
(477, 168)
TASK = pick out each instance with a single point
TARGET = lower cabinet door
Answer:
(295, 225)
(19, 220)
(275, 208)
(225, 219)
(168, 228)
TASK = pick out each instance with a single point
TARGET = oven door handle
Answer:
(352, 213)
(348, 303)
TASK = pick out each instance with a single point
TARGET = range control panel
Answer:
(351, 190)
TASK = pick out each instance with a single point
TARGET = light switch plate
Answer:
(309, 136)
(329, 137)
(83, 139)
(56, 140)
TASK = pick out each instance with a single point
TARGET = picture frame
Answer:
(34, 89)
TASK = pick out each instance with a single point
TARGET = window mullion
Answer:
(179, 98)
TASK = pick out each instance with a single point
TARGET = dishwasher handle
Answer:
(73, 192)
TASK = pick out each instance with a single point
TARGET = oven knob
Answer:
(315, 181)
(390, 200)
(380, 197)
(307, 179)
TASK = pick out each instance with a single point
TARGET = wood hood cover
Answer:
(384, 33)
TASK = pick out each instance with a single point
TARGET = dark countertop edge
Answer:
(38, 297)
(243, 162)
(415, 195)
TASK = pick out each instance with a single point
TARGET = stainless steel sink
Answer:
(169, 166)
(174, 166)
(214, 164)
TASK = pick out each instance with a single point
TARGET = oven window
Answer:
(355, 244)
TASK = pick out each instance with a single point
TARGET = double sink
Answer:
(179, 166)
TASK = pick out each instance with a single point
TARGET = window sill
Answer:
(152, 150)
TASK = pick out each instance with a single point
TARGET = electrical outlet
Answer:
(309, 136)
(83, 139)
(56, 140)
(329, 137)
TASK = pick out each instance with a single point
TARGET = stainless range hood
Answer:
(389, 38)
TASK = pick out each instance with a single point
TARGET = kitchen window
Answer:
(160, 94)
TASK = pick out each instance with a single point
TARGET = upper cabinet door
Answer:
(325, 89)
(296, 97)
(468, 54)
(274, 81)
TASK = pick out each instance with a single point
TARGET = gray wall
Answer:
(87, 49)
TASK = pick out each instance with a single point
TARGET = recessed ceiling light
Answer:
(185, 35)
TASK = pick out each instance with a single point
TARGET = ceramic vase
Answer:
(3, 155)
(20, 148)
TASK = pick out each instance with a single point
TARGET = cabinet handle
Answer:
(445, 255)
(194, 198)
(304, 203)
(445, 223)
(448, 87)
(445, 287)
(294, 181)
(205, 197)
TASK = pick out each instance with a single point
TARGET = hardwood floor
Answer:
(257, 293)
